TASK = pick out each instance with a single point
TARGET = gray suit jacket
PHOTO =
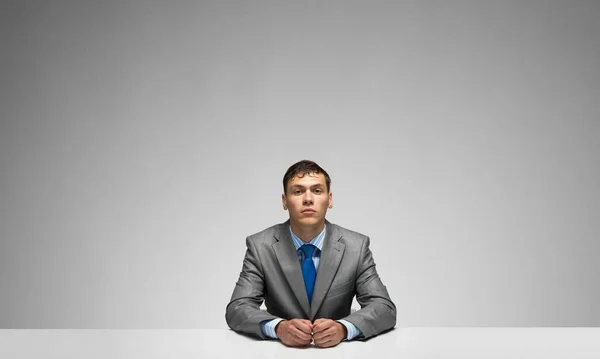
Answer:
(272, 272)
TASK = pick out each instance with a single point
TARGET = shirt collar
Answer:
(317, 241)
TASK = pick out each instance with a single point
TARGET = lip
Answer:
(309, 211)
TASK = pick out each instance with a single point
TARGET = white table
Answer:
(460, 343)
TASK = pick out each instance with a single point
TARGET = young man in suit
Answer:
(308, 270)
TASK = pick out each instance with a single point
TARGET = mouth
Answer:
(309, 211)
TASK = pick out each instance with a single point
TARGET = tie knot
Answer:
(308, 250)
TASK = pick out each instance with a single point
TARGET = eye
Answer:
(297, 192)
(318, 191)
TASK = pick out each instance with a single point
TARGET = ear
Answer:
(330, 200)
(284, 202)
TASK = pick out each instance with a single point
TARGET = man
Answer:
(308, 270)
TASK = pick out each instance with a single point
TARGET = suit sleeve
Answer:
(243, 313)
(378, 312)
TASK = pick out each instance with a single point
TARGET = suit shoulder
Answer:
(348, 234)
(267, 234)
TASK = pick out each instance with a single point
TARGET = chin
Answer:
(309, 221)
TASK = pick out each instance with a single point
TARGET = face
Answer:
(307, 199)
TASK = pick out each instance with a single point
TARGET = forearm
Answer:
(373, 319)
(243, 313)
(378, 312)
(246, 318)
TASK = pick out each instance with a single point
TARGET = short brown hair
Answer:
(302, 168)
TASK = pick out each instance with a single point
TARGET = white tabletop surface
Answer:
(463, 343)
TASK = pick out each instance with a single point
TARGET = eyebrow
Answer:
(300, 186)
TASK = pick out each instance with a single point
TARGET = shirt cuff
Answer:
(352, 330)
(268, 328)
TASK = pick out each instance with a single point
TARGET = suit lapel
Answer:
(288, 261)
(331, 256)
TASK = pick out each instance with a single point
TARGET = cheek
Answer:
(295, 202)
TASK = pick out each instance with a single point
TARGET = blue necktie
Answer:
(308, 269)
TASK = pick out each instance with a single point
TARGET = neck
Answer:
(307, 233)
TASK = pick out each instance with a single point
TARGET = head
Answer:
(306, 193)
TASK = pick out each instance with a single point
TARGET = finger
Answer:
(305, 321)
(320, 324)
(319, 321)
(291, 342)
(300, 335)
(323, 334)
(299, 338)
(328, 341)
(324, 325)
(303, 325)
(303, 339)
(325, 343)
(326, 331)
(302, 322)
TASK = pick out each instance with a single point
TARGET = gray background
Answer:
(140, 142)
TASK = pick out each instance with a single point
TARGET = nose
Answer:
(308, 198)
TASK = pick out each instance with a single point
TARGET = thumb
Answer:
(307, 322)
